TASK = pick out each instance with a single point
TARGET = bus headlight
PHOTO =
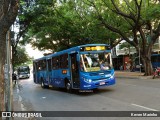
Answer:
(112, 76)
(87, 80)
(108, 75)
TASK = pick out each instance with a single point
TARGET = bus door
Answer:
(74, 71)
(35, 72)
(48, 74)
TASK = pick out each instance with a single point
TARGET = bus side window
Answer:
(39, 65)
(64, 61)
(49, 65)
(55, 62)
(43, 64)
(36, 67)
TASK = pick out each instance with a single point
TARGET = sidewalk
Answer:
(16, 98)
(131, 75)
(17, 102)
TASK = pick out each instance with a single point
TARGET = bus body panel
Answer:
(42, 76)
(57, 78)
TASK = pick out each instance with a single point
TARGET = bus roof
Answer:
(77, 48)
(155, 55)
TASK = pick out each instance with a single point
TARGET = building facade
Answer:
(127, 58)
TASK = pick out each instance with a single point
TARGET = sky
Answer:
(33, 52)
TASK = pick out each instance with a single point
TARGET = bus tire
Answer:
(68, 87)
(43, 85)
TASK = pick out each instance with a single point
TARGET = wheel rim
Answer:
(68, 86)
(42, 84)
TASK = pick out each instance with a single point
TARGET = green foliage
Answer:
(21, 57)
(125, 44)
(61, 26)
(58, 25)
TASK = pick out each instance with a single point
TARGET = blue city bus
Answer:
(84, 67)
(23, 72)
(155, 59)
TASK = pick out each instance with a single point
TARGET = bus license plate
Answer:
(102, 83)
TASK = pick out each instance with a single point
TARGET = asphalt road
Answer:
(126, 95)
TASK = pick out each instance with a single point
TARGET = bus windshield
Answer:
(24, 69)
(95, 62)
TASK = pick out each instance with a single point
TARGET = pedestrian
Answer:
(121, 67)
(14, 78)
(128, 66)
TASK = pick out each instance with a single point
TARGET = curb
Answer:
(129, 77)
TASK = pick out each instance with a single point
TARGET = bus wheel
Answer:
(68, 87)
(43, 85)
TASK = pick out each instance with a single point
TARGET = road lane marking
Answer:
(144, 107)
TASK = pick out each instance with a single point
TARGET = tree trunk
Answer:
(2, 63)
(146, 59)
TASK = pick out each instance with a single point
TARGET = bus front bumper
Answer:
(97, 84)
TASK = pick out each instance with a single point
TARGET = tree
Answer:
(21, 56)
(131, 19)
(59, 26)
(66, 23)
(8, 13)
(22, 21)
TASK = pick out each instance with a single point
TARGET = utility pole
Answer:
(8, 76)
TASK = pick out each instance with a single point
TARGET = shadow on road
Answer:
(83, 93)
